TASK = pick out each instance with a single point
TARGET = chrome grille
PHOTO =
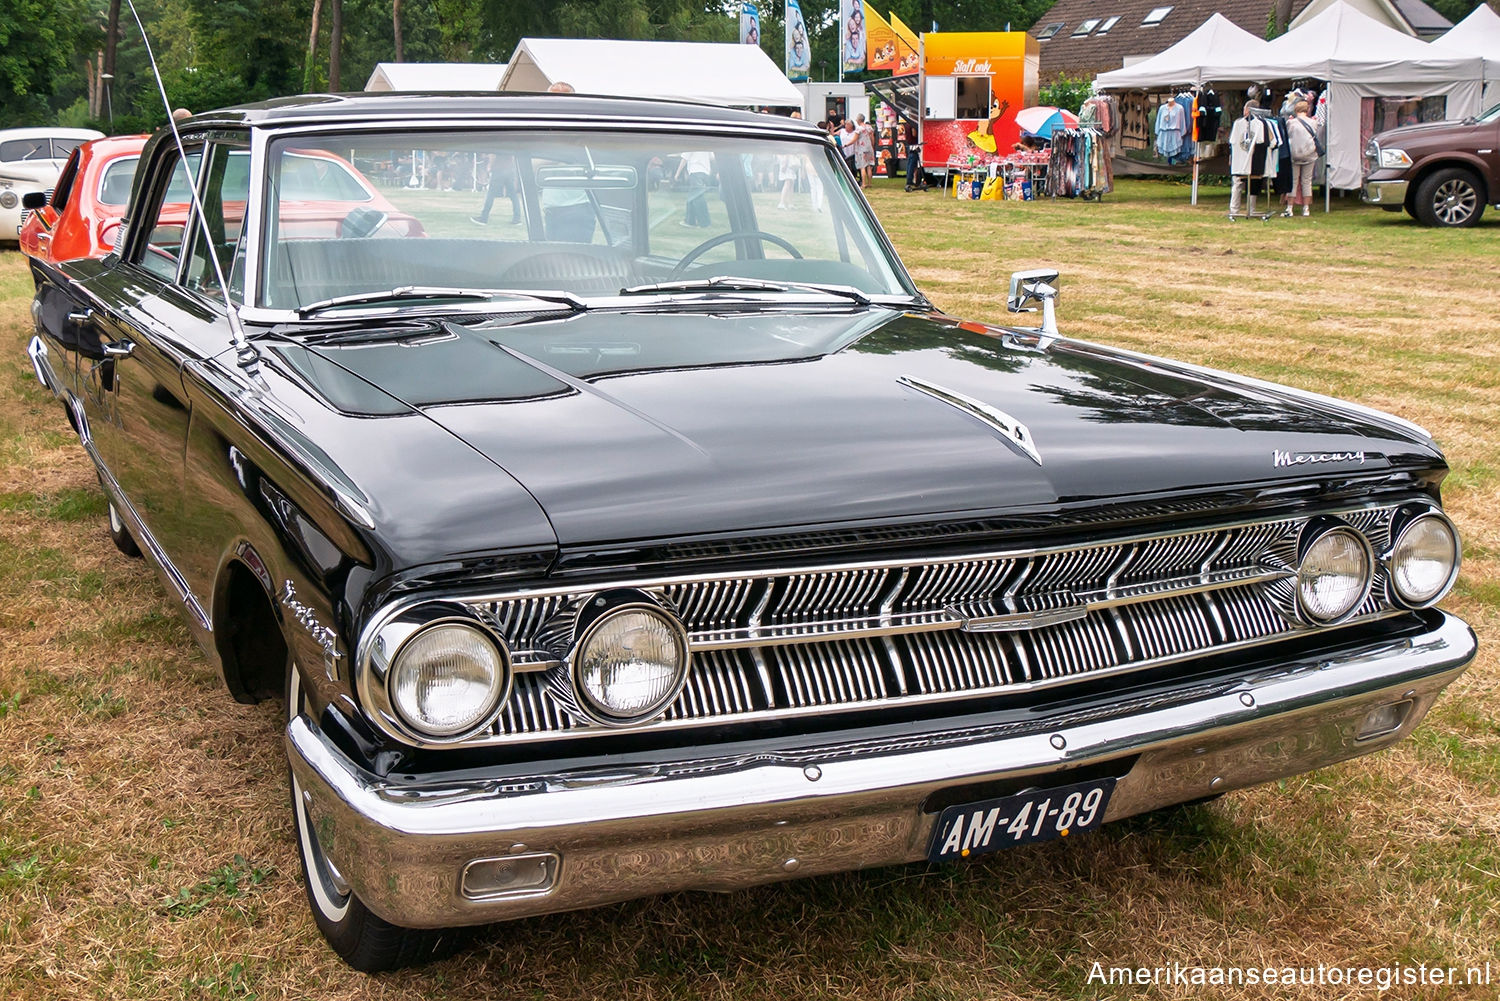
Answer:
(780, 643)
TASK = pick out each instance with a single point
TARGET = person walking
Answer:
(1302, 136)
(864, 151)
(503, 182)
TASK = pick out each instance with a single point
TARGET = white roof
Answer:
(1341, 44)
(1191, 60)
(1476, 35)
(718, 73)
(436, 76)
(46, 131)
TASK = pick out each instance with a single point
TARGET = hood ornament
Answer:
(1016, 434)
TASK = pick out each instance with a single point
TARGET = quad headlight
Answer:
(625, 659)
(1423, 561)
(440, 672)
(1333, 573)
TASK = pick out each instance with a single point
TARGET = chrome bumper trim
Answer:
(1386, 192)
(722, 823)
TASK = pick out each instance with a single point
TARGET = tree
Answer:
(37, 41)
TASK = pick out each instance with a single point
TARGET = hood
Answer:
(1427, 130)
(654, 425)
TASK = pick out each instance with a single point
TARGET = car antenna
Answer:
(245, 354)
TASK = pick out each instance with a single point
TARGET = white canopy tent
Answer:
(435, 76)
(1360, 58)
(1478, 35)
(1190, 61)
(718, 73)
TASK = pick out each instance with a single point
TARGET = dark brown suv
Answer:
(1443, 173)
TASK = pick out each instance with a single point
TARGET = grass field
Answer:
(145, 841)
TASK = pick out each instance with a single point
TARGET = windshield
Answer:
(583, 213)
(1491, 115)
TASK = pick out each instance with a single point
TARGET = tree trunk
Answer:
(312, 46)
(335, 43)
(1283, 15)
(107, 74)
(396, 22)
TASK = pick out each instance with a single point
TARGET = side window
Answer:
(225, 187)
(168, 221)
(65, 180)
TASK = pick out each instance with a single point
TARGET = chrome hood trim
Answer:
(1013, 431)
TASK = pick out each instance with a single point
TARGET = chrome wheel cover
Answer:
(1454, 202)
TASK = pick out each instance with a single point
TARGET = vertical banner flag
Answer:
(907, 46)
(749, 23)
(852, 33)
(798, 55)
(880, 42)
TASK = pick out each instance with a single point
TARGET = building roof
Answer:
(1078, 53)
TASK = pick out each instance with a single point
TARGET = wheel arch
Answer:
(1452, 159)
(249, 634)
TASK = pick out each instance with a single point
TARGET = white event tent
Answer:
(717, 73)
(1478, 35)
(1359, 57)
(435, 76)
(1190, 61)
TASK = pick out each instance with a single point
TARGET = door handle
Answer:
(86, 316)
(119, 349)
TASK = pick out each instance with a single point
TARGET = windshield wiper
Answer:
(729, 283)
(417, 293)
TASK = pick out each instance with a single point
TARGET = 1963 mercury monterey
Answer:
(667, 537)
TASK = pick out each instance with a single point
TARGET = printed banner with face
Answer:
(798, 54)
(907, 46)
(749, 24)
(852, 34)
(880, 42)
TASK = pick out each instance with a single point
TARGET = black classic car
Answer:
(654, 532)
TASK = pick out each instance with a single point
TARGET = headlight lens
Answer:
(8, 200)
(630, 663)
(1424, 560)
(1394, 158)
(447, 679)
(1334, 575)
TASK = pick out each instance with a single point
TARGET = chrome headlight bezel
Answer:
(1313, 534)
(393, 639)
(1405, 521)
(569, 635)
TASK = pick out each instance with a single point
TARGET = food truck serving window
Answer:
(973, 96)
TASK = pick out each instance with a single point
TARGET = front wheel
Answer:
(1449, 197)
(366, 942)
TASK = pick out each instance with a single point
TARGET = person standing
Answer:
(697, 167)
(503, 182)
(1302, 136)
(864, 151)
(847, 140)
(914, 180)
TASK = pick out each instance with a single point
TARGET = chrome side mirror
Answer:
(1029, 287)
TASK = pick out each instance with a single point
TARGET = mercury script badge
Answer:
(1280, 458)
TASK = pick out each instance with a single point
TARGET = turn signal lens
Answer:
(1334, 576)
(1424, 560)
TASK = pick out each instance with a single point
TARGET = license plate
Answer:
(972, 829)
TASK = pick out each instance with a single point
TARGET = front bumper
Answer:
(1386, 193)
(603, 834)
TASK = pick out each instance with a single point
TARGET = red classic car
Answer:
(323, 194)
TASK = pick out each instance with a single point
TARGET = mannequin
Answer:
(1247, 133)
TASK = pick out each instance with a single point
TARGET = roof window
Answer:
(1157, 16)
(1086, 27)
(1049, 31)
(1109, 22)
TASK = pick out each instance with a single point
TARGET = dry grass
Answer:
(145, 848)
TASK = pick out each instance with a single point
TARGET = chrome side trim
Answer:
(1013, 431)
(147, 541)
(42, 365)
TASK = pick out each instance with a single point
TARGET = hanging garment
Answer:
(1210, 115)
(1283, 159)
(1185, 102)
(1245, 136)
(1171, 126)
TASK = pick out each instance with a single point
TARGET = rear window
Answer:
(114, 186)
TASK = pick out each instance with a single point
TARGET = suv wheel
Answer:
(366, 942)
(1449, 197)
